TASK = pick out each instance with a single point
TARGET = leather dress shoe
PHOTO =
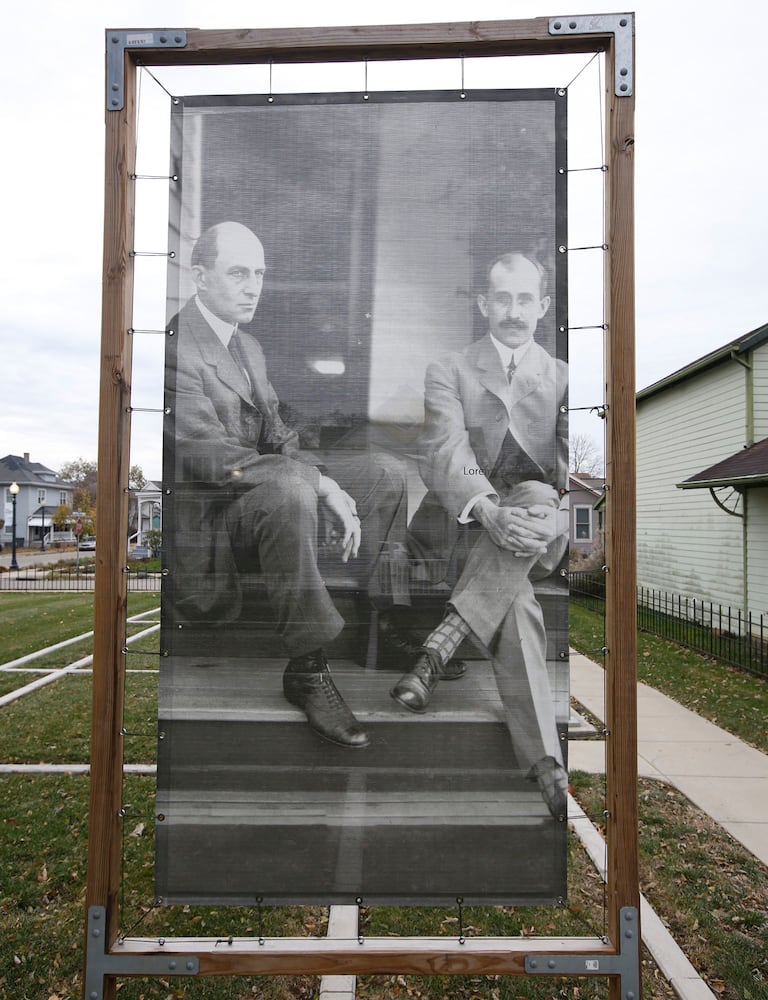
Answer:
(307, 683)
(396, 650)
(552, 780)
(414, 689)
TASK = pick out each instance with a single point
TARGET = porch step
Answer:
(255, 804)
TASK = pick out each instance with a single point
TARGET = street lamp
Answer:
(13, 489)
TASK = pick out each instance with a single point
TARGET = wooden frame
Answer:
(311, 956)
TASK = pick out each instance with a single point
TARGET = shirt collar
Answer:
(510, 354)
(223, 330)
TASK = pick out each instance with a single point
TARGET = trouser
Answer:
(273, 531)
(495, 597)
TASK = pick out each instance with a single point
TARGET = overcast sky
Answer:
(700, 190)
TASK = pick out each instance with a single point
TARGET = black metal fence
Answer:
(67, 577)
(727, 633)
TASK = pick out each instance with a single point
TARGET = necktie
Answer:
(511, 369)
(235, 348)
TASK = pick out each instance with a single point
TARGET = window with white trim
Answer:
(582, 517)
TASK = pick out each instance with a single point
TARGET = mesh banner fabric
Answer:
(364, 686)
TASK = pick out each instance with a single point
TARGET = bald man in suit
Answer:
(494, 459)
(248, 500)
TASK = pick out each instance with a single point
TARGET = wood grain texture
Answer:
(375, 956)
(621, 560)
(110, 600)
(374, 42)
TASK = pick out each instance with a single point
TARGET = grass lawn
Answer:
(33, 620)
(711, 892)
(736, 701)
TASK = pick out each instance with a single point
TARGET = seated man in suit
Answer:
(248, 500)
(494, 456)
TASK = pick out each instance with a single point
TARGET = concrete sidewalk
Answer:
(720, 774)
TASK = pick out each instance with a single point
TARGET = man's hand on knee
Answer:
(346, 531)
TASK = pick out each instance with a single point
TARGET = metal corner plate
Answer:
(620, 25)
(625, 965)
(100, 962)
(119, 41)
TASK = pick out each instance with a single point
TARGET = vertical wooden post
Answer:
(621, 609)
(111, 590)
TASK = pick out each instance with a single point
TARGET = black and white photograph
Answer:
(364, 671)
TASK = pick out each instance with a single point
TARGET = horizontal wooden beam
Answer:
(374, 42)
(372, 956)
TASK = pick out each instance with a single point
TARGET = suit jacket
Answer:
(470, 406)
(225, 430)
(223, 437)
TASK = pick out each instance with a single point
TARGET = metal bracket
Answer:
(119, 41)
(622, 28)
(100, 963)
(626, 964)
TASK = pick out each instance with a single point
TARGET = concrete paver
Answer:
(723, 776)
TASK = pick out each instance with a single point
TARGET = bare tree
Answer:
(585, 455)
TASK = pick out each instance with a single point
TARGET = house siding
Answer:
(757, 538)
(760, 385)
(686, 543)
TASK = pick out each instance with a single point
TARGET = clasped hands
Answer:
(345, 531)
(524, 531)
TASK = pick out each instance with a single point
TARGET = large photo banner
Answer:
(363, 687)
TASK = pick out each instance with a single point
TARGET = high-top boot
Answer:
(396, 650)
(307, 683)
(414, 689)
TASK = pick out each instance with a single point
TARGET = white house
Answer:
(702, 478)
(149, 516)
(40, 493)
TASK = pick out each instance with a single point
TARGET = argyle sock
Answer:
(447, 637)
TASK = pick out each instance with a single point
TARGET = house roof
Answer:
(740, 346)
(748, 467)
(591, 484)
(15, 468)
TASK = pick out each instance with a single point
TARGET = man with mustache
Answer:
(246, 500)
(494, 457)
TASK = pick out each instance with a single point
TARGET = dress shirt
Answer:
(221, 327)
(507, 355)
